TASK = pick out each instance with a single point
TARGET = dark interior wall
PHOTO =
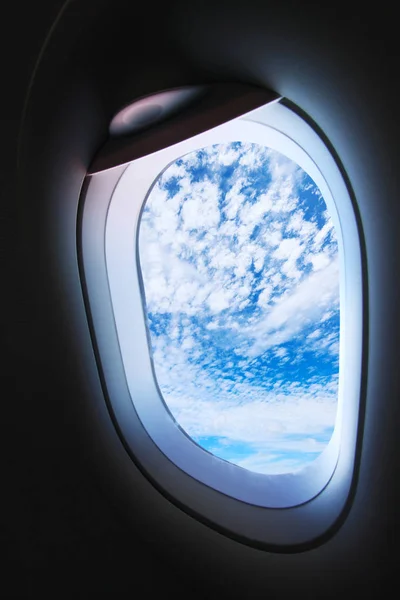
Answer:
(76, 516)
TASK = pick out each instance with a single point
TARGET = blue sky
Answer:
(239, 260)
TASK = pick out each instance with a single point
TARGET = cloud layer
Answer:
(239, 262)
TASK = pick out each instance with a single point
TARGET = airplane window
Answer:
(224, 283)
(239, 259)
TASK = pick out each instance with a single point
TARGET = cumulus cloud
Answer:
(240, 269)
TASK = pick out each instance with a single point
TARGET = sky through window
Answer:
(239, 260)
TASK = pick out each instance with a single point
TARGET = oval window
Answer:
(239, 261)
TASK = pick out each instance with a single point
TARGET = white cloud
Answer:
(227, 156)
(200, 210)
(272, 463)
(319, 261)
(259, 421)
(295, 310)
(218, 300)
(289, 248)
(265, 296)
(315, 334)
(280, 352)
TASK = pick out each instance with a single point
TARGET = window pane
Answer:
(239, 260)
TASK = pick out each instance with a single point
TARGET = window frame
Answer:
(314, 496)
